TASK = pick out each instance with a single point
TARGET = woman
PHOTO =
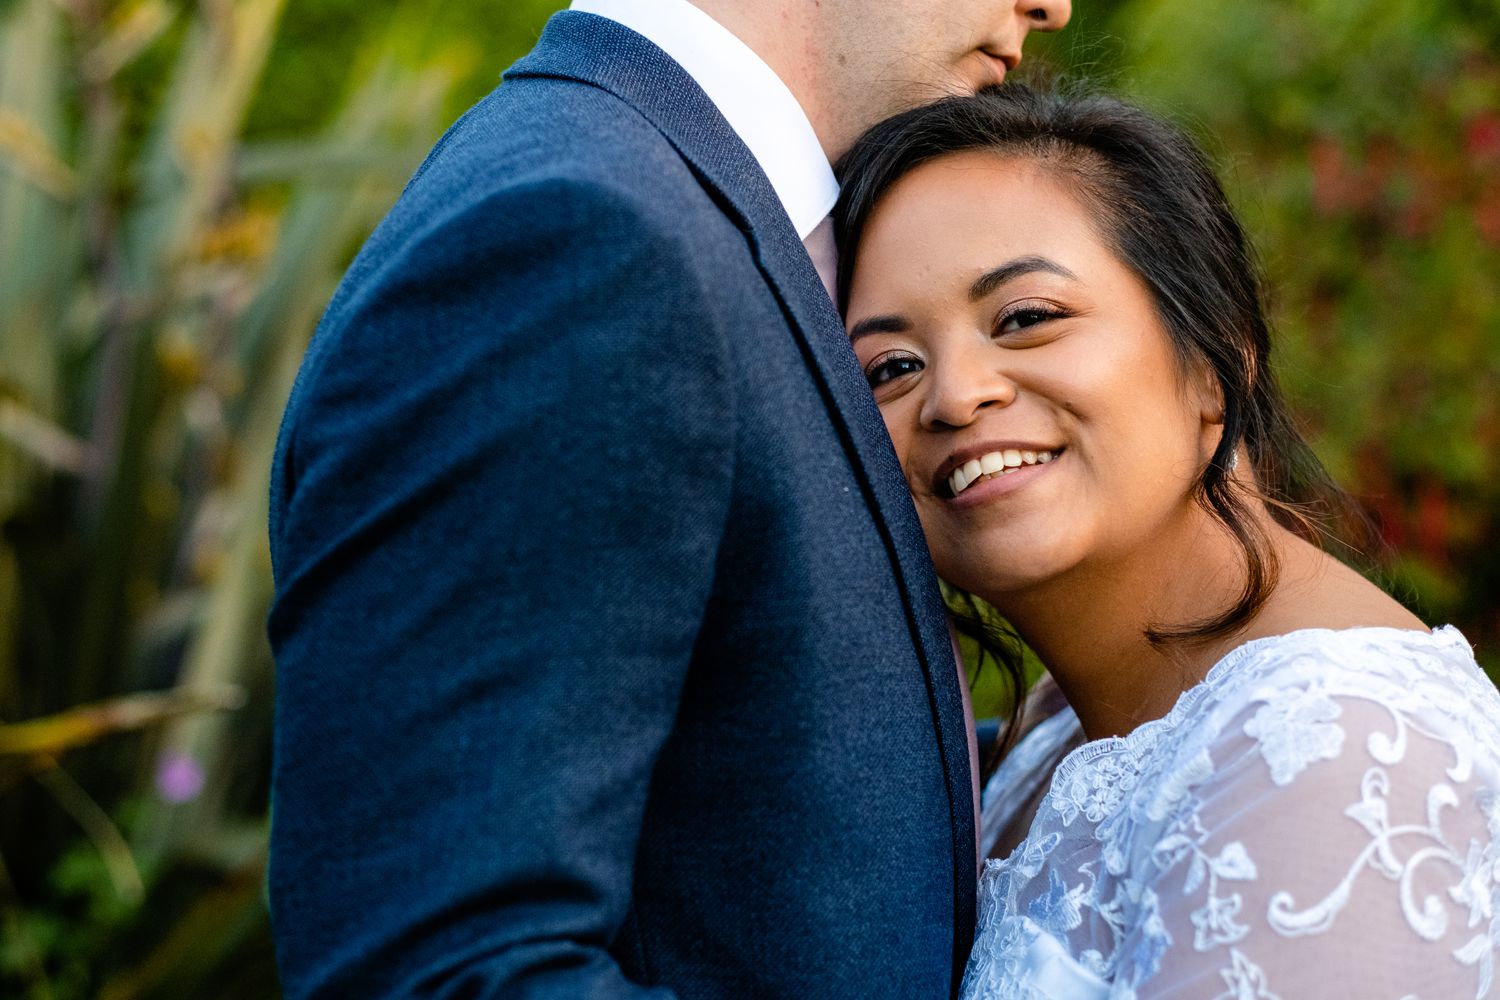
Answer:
(1290, 786)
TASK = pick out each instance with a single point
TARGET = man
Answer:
(611, 663)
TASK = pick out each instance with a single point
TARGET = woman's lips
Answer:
(960, 472)
(990, 485)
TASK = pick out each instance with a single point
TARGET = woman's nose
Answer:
(957, 394)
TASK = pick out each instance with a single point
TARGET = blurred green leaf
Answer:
(159, 278)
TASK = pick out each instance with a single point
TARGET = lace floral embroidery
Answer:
(1244, 979)
(1479, 891)
(1121, 870)
(1215, 921)
(1296, 727)
(1095, 792)
(1389, 854)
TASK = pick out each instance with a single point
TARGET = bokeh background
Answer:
(181, 184)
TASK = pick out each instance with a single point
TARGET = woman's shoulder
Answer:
(1309, 692)
(1287, 798)
(1298, 689)
(1312, 706)
(1343, 765)
(1409, 667)
(1350, 654)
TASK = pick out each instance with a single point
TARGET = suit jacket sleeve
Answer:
(496, 505)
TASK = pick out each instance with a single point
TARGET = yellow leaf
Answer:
(33, 156)
(76, 727)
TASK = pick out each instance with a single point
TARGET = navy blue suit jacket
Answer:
(610, 658)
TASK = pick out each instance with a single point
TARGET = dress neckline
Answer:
(1146, 732)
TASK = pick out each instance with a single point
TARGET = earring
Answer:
(1234, 461)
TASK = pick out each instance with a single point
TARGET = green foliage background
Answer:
(181, 184)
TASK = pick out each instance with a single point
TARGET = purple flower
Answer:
(179, 778)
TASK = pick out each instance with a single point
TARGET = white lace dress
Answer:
(1320, 817)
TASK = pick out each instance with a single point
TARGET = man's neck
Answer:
(786, 35)
(747, 90)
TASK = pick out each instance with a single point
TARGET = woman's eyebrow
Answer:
(994, 278)
(879, 324)
(982, 286)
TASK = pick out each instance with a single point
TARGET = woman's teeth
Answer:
(996, 463)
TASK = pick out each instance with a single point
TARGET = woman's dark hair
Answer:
(1156, 203)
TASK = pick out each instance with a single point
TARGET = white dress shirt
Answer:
(747, 92)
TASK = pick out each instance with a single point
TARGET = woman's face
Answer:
(1043, 421)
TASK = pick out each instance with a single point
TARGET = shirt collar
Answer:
(747, 92)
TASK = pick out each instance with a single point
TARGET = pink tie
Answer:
(825, 255)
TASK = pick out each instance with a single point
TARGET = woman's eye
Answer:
(890, 368)
(1025, 316)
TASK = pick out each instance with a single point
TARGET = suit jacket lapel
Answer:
(597, 51)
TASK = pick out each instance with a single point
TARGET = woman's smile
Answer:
(978, 474)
